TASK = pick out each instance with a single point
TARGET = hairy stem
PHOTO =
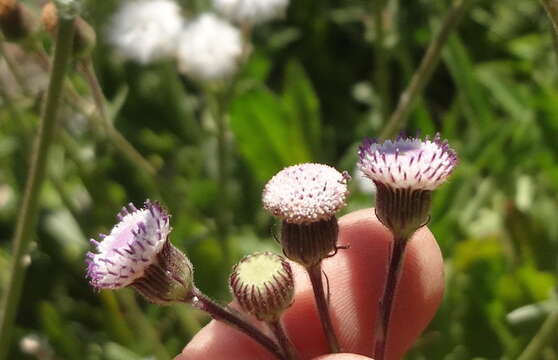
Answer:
(25, 225)
(284, 341)
(386, 303)
(424, 72)
(219, 313)
(315, 274)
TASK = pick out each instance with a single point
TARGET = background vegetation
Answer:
(315, 85)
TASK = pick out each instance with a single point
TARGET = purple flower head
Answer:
(132, 245)
(408, 162)
(306, 193)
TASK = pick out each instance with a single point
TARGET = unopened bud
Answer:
(263, 285)
(16, 21)
(85, 38)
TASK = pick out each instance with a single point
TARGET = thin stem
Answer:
(545, 336)
(219, 313)
(551, 7)
(386, 303)
(222, 220)
(119, 141)
(28, 212)
(315, 274)
(381, 74)
(11, 63)
(284, 341)
(424, 72)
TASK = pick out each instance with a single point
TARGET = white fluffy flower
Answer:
(209, 49)
(251, 11)
(408, 162)
(306, 193)
(146, 30)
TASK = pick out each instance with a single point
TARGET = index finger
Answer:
(356, 277)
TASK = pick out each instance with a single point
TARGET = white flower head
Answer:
(146, 30)
(306, 193)
(251, 12)
(209, 49)
(407, 162)
(132, 245)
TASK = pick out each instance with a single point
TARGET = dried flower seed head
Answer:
(263, 285)
(307, 197)
(146, 30)
(405, 172)
(251, 12)
(137, 253)
(16, 21)
(209, 49)
(85, 37)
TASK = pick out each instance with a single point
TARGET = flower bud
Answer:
(306, 197)
(16, 21)
(138, 253)
(85, 38)
(263, 285)
(405, 172)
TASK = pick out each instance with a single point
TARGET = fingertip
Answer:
(345, 356)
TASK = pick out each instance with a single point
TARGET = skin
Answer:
(357, 277)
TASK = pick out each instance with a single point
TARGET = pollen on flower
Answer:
(132, 245)
(146, 30)
(408, 162)
(306, 193)
(251, 11)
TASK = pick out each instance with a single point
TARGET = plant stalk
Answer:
(222, 219)
(424, 72)
(315, 274)
(26, 220)
(284, 341)
(548, 334)
(219, 313)
(119, 141)
(386, 303)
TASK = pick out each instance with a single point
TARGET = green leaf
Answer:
(302, 106)
(264, 135)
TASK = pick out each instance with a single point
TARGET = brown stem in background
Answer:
(284, 341)
(424, 72)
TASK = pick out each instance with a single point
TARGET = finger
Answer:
(356, 278)
(345, 356)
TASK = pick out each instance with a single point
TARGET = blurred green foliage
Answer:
(306, 94)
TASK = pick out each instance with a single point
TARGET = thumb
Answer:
(342, 357)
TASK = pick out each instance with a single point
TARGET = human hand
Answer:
(356, 277)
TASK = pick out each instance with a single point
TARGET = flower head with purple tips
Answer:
(408, 162)
(132, 245)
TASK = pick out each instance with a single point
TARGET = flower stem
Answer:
(424, 72)
(315, 274)
(381, 73)
(28, 211)
(284, 341)
(222, 220)
(545, 336)
(219, 313)
(551, 7)
(119, 141)
(386, 303)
